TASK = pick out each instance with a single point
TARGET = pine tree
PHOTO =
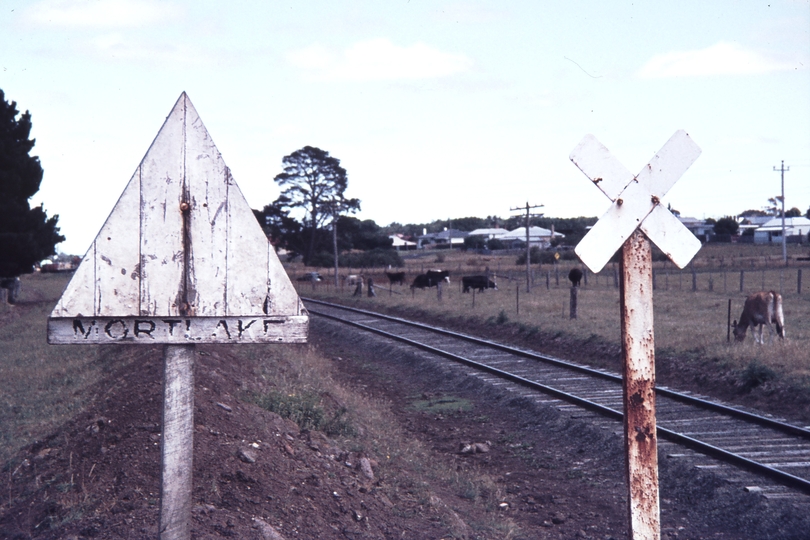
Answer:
(27, 235)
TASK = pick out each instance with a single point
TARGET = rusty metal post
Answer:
(638, 349)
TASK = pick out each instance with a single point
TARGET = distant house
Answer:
(698, 227)
(796, 230)
(753, 223)
(446, 238)
(488, 233)
(399, 243)
(538, 236)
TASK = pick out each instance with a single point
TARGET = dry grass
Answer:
(41, 385)
(687, 322)
(373, 430)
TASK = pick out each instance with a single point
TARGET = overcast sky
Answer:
(436, 109)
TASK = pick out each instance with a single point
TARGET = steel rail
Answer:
(673, 436)
(659, 391)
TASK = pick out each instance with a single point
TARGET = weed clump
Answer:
(502, 318)
(306, 411)
(755, 375)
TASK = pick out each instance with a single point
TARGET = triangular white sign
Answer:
(181, 258)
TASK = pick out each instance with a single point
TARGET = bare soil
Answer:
(257, 475)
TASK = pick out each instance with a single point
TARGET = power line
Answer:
(528, 209)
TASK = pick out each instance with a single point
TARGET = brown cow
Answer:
(761, 309)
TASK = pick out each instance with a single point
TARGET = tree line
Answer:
(311, 218)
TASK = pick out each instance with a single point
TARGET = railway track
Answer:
(757, 451)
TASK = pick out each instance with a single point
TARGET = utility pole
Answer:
(528, 252)
(783, 170)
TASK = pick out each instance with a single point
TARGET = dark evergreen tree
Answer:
(315, 182)
(27, 235)
(726, 225)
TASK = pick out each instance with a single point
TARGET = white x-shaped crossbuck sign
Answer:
(636, 200)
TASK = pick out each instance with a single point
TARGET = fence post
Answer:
(799, 282)
(517, 299)
(573, 302)
(371, 292)
(728, 325)
(694, 278)
(711, 281)
(742, 280)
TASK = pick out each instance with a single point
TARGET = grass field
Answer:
(41, 385)
(687, 322)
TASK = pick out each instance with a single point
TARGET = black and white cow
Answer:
(477, 282)
(431, 278)
(761, 309)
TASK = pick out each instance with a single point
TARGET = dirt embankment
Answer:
(436, 455)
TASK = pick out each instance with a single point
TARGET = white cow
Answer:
(761, 309)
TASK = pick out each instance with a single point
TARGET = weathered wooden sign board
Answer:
(181, 258)
(636, 217)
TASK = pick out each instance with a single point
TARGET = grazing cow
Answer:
(477, 282)
(353, 279)
(761, 309)
(430, 279)
(396, 278)
(435, 276)
(575, 275)
(420, 282)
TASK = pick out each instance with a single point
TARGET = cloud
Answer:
(719, 59)
(101, 13)
(378, 59)
(117, 46)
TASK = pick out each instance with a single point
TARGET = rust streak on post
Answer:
(638, 349)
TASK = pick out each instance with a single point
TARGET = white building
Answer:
(538, 236)
(796, 230)
(399, 243)
(489, 233)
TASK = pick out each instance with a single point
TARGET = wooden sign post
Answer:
(180, 260)
(636, 217)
